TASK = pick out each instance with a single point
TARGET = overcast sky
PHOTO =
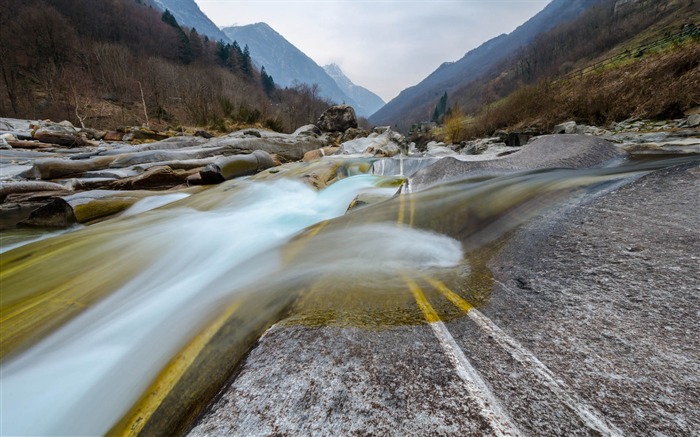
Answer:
(384, 45)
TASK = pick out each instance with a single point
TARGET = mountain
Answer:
(416, 103)
(188, 14)
(287, 65)
(368, 102)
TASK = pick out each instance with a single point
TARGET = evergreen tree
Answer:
(196, 44)
(440, 109)
(246, 63)
(268, 83)
(184, 49)
(169, 18)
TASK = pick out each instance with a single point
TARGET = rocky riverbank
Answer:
(56, 175)
(533, 303)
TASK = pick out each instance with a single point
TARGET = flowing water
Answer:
(136, 322)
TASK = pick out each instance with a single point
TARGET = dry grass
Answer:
(659, 86)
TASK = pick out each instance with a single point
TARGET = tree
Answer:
(440, 109)
(246, 63)
(268, 83)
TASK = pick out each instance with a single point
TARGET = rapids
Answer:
(93, 319)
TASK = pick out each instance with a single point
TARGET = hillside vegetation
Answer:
(123, 62)
(608, 65)
(415, 104)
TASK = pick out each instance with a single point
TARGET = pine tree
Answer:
(268, 83)
(440, 109)
(246, 63)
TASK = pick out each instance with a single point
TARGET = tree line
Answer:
(123, 62)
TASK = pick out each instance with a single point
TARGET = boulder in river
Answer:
(338, 118)
(549, 151)
(61, 135)
(236, 166)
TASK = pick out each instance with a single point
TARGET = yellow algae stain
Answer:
(453, 297)
(429, 312)
(132, 424)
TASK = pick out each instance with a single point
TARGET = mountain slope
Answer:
(287, 65)
(368, 102)
(188, 14)
(416, 103)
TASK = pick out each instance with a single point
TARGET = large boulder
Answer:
(337, 118)
(549, 151)
(63, 135)
(231, 167)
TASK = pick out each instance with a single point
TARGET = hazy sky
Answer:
(384, 45)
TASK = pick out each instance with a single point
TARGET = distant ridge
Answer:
(368, 102)
(288, 65)
(187, 13)
(416, 103)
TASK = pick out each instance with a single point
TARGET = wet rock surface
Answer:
(42, 162)
(589, 330)
(550, 151)
(343, 382)
(607, 296)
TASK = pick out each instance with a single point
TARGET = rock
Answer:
(84, 207)
(141, 134)
(386, 144)
(480, 146)
(352, 133)
(194, 179)
(12, 187)
(568, 127)
(61, 135)
(203, 134)
(236, 166)
(590, 130)
(438, 149)
(54, 168)
(613, 255)
(694, 120)
(501, 135)
(113, 136)
(380, 129)
(319, 153)
(387, 150)
(157, 177)
(95, 134)
(287, 147)
(549, 151)
(309, 129)
(519, 139)
(252, 133)
(337, 118)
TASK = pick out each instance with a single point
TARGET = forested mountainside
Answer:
(286, 63)
(188, 14)
(415, 104)
(619, 59)
(127, 63)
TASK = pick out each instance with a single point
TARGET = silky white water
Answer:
(83, 377)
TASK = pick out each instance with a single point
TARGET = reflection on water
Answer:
(92, 318)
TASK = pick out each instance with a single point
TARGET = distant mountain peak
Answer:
(368, 102)
(187, 13)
